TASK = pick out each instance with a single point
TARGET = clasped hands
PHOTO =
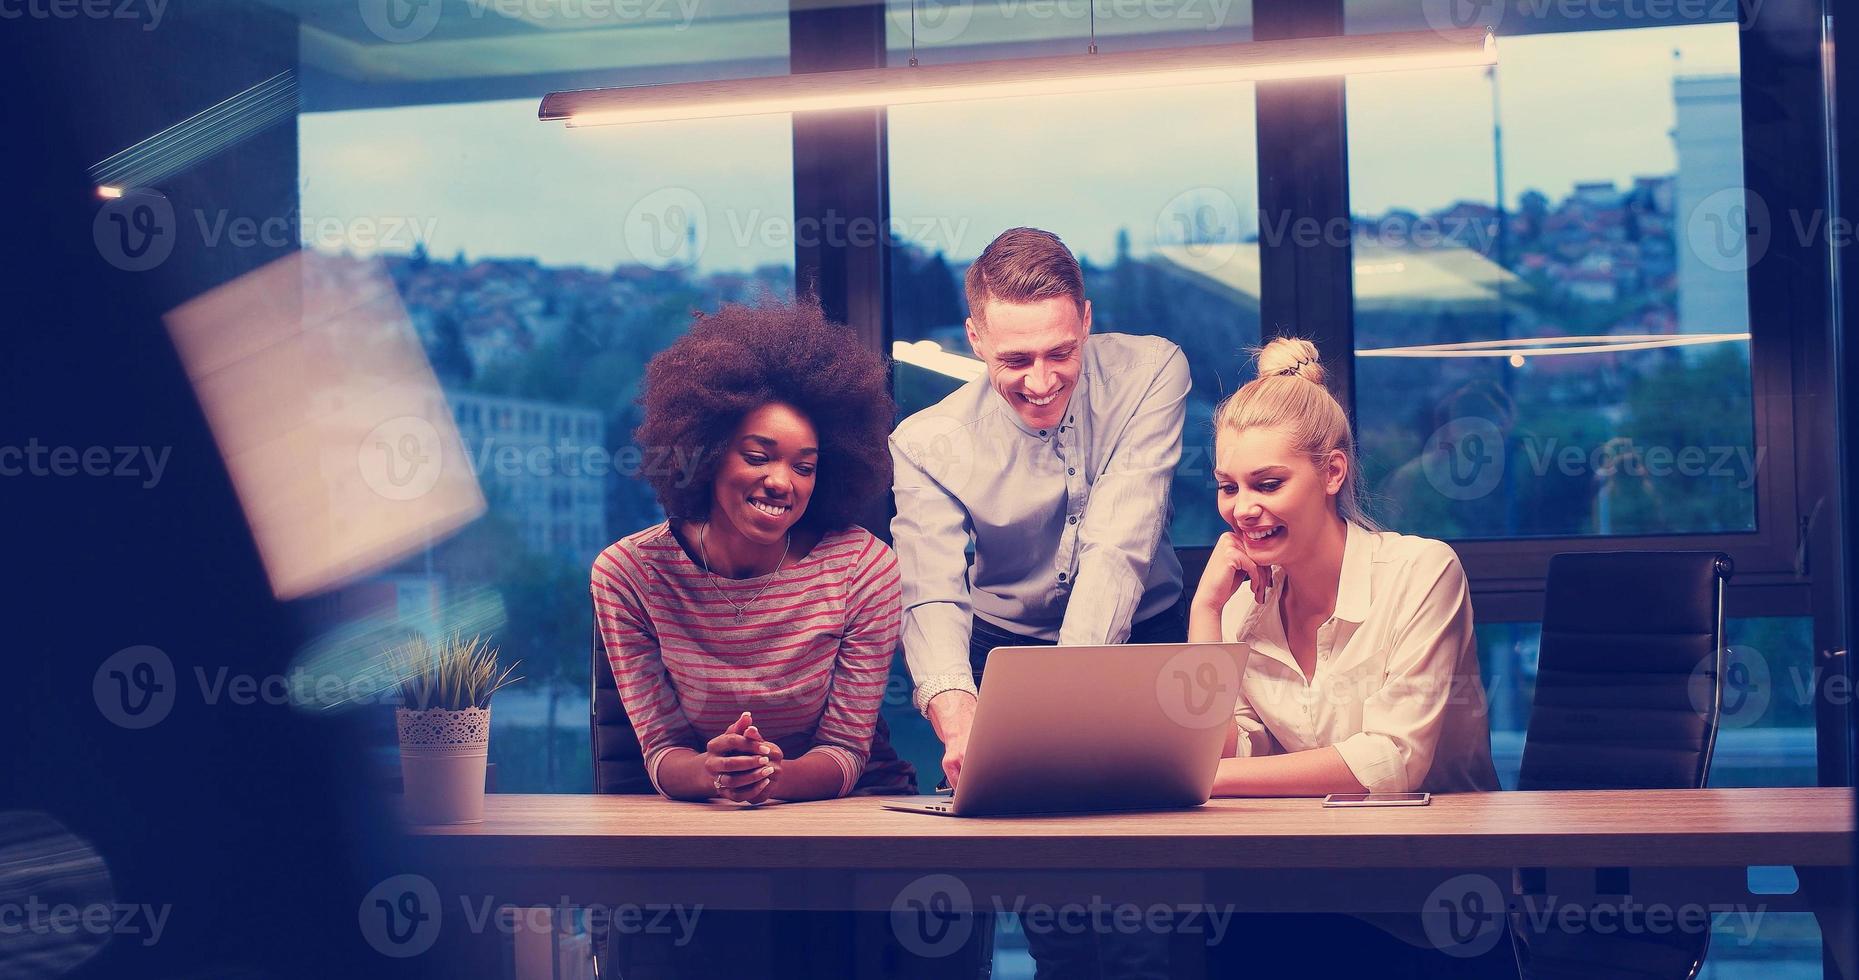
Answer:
(742, 765)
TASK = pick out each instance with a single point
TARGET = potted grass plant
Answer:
(444, 720)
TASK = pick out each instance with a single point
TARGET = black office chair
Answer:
(1629, 690)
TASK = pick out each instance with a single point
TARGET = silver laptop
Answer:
(1069, 729)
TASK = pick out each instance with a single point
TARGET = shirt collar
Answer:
(1352, 598)
(1260, 620)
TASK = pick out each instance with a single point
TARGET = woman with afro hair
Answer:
(751, 633)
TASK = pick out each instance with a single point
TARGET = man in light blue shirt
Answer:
(1032, 508)
(1055, 466)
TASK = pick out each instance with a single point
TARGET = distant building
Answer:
(533, 460)
(1596, 194)
(1713, 291)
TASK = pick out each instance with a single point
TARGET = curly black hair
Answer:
(742, 357)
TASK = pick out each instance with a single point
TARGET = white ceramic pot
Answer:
(442, 758)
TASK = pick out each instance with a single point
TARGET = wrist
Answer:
(951, 713)
(683, 776)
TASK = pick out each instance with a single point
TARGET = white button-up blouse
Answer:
(1395, 687)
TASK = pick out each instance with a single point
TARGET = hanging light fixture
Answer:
(1054, 75)
(1518, 348)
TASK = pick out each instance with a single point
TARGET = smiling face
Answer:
(1270, 493)
(1034, 352)
(766, 476)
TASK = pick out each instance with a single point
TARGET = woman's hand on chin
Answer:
(1229, 567)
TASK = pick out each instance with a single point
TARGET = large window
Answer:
(1551, 333)
(1553, 340)
(542, 268)
(1552, 330)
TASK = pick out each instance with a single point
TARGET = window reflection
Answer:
(543, 270)
(1577, 361)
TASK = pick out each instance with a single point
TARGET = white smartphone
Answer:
(1378, 799)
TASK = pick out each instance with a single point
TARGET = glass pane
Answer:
(1575, 362)
(1156, 196)
(542, 267)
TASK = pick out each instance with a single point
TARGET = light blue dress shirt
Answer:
(1068, 526)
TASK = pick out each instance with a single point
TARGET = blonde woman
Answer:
(1362, 675)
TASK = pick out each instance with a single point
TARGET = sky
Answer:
(490, 180)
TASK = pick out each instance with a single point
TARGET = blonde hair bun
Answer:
(1290, 356)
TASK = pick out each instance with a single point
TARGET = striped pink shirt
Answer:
(810, 656)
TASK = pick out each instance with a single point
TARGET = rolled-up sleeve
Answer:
(1253, 738)
(1123, 521)
(1402, 721)
(930, 535)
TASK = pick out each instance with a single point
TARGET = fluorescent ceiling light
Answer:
(199, 136)
(1516, 347)
(1061, 74)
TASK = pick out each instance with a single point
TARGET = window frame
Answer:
(1303, 169)
(1298, 293)
(1784, 567)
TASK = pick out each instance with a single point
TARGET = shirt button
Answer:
(1071, 520)
(1071, 471)
(1061, 576)
(1042, 433)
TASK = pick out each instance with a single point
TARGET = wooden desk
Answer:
(1640, 828)
(1254, 854)
(1677, 848)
